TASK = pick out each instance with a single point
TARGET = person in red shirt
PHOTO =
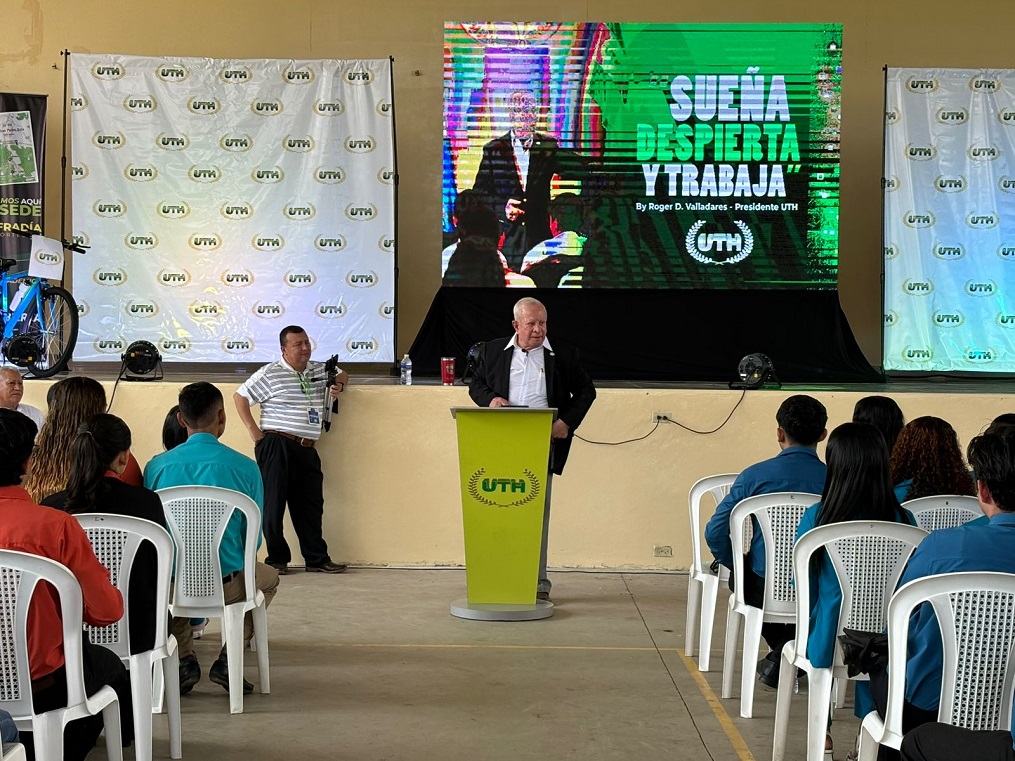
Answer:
(28, 527)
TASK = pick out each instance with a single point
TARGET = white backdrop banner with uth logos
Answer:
(950, 220)
(226, 199)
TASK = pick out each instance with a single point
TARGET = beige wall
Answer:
(391, 465)
(876, 32)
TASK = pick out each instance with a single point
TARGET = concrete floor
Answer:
(370, 666)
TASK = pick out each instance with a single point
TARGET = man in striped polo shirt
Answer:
(292, 393)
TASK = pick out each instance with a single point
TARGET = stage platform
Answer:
(391, 461)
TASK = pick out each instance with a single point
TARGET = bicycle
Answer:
(40, 321)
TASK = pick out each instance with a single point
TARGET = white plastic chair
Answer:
(778, 516)
(869, 558)
(197, 517)
(14, 752)
(116, 540)
(943, 510)
(702, 585)
(974, 612)
(20, 573)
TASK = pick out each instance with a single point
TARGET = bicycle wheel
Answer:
(55, 330)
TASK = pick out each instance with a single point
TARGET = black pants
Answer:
(775, 635)
(912, 717)
(101, 667)
(943, 742)
(292, 473)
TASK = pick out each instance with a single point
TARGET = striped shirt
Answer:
(288, 397)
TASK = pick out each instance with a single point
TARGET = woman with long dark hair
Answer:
(72, 401)
(883, 413)
(927, 460)
(857, 488)
(99, 453)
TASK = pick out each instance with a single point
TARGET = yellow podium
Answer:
(503, 454)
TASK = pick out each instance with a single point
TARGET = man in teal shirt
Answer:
(202, 460)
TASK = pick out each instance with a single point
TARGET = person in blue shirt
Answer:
(970, 547)
(857, 488)
(801, 423)
(927, 460)
(202, 460)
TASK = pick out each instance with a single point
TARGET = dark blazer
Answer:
(497, 180)
(568, 387)
(123, 499)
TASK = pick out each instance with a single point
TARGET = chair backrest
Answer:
(868, 558)
(197, 517)
(974, 611)
(777, 516)
(943, 510)
(115, 540)
(20, 574)
(718, 486)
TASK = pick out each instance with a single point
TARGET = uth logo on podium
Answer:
(504, 492)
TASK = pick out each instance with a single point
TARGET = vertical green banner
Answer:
(503, 456)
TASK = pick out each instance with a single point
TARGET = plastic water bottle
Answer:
(19, 295)
(405, 376)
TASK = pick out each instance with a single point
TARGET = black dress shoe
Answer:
(327, 567)
(219, 673)
(768, 671)
(190, 673)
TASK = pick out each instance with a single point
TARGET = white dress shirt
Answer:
(521, 151)
(527, 381)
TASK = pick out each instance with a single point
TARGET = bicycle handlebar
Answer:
(75, 247)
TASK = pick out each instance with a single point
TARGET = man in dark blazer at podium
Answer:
(515, 175)
(523, 370)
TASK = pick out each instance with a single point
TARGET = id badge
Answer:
(313, 416)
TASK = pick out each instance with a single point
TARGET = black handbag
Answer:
(863, 652)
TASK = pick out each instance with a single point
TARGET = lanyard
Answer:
(304, 385)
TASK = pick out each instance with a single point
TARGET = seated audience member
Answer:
(989, 547)
(801, 425)
(202, 460)
(927, 461)
(883, 413)
(28, 527)
(476, 261)
(72, 401)
(98, 455)
(857, 488)
(173, 433)
(1005, 418)
(12, 389)
(8, 729)
(468, 222)
(465, 201)
(549, 261)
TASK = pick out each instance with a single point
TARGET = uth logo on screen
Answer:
(719, 247)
